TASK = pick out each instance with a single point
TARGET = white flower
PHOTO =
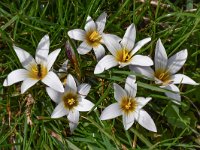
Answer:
(129, 106)
(165, 71)
(71, 101)
(123, 53)
(36, 69)
(92, 36)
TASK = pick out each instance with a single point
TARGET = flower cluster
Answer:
(70, 96)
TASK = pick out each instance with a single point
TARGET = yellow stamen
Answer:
(163, 75)
(128, 104)
(93, 38)
(123, 55)
(71, 101)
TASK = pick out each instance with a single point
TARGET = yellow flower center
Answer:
(93, 38)
(123, 55)
(163, 75)
(38, 71)
(128, 105)
(70, 100)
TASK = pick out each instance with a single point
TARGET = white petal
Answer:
(42, 50)
(142, 101)
(90, 24)
(110, 112)
(145, 120)
(111, 43)
(131, 86)
(59, 111)
(146, 71)
(52, 80)
(158, 81)
(70, 85)
(176, 62)
(63, 69)
(160, 57)
(15, 76)
(141, 60)
(122, 64)
(54, 95)
(84, 48)
(130, 78)
(24, 57)
(183, 79)
(128, 40)
(73, 116)
(105, 63)
(114, 37)
(99, 51)
(139, 45)
(128, 120)
(84, 105)
(84, 89)
(72, 126)
(119, 92)
(175, 96)
(77, 34)
(51, 58)
(101, 21)
(27, 83)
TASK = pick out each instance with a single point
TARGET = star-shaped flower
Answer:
(36, 69)
(71, 101)
(123, 53)
(92, 36)
(129, 106)
(165, 71)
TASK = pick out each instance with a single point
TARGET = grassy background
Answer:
(25, 22)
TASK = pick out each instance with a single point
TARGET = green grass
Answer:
(25, 22)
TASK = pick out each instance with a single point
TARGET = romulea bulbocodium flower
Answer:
(92, 36)
(129, 106)
(71, 101)
(165, 74)
(35, 69)
(123, 52)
